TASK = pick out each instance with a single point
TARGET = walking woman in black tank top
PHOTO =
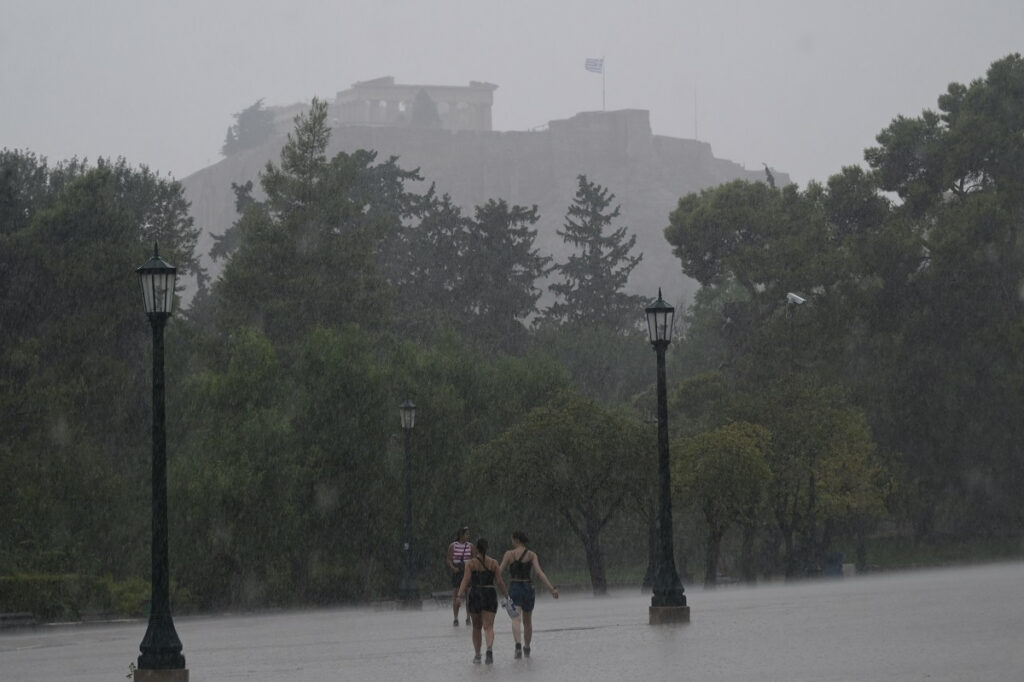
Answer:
(482, 580)
(520, 561)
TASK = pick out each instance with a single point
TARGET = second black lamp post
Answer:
(408, 591)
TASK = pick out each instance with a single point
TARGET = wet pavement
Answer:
(941, 626)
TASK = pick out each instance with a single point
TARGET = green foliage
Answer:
(253, 126)
(429, 271)
(593, 279)
(607, 365)
(574, 458)
(725, 473)
(499, 281)
(972, 146)
(54, 597)
(75, 347)
(308, 254)
(240, 420)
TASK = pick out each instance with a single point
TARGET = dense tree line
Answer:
(880, 398)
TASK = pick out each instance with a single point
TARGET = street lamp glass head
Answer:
(659, 320)
(158, 279)
(407, 410)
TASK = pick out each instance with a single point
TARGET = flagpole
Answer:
(594, 65)
(695, 113)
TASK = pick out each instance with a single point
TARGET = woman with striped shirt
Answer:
(459, 553)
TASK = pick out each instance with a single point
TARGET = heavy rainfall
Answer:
(407, 301)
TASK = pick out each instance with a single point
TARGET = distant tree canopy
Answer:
(253, 126)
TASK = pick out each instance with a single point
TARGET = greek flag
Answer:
(595, 65)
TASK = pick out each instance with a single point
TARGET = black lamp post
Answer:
(408, 592)
(161, 648)
(668, 603)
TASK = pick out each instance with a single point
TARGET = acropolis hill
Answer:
(648, 173)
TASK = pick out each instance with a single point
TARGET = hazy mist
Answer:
(801, 86)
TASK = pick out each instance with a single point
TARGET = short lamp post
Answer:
(408, 592)
(160, 648)
(668, 603)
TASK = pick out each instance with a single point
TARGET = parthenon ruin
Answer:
(382, 102)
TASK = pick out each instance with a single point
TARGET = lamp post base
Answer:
(661, 615)
(160, 675)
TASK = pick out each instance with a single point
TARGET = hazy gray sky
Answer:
(803, 86)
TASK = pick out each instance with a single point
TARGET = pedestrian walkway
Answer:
(941, 626)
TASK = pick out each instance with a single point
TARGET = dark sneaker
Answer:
(519, 650)
(456, 622)
(476, 659)
(526, 651)
(490, 657)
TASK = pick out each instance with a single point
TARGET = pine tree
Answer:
(498, 288)
(592, 279)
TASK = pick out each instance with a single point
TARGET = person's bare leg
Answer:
(488, 619)
(477, 638)
(455, 605)
(527, 628)
(517, 625)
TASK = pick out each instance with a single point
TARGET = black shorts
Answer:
(482, 599)
(460, 570)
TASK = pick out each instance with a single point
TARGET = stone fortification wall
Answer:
(647, 173)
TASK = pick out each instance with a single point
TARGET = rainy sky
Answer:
(803, 86)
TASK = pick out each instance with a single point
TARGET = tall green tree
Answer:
(429, 268)
(959, 172)
(311, 253)
(499, 288)
(593, 279)
(725, 473)
(575, 458)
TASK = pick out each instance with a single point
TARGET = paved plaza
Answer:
(941, 626)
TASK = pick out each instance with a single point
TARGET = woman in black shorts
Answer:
(482, 580)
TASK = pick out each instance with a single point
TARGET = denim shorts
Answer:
(522, 594)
